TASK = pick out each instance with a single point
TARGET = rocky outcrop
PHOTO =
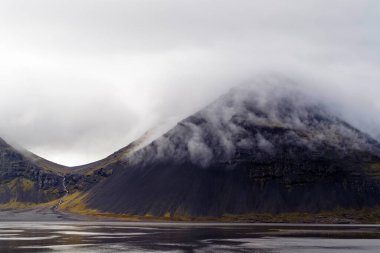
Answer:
(84, 182)
(23, 181)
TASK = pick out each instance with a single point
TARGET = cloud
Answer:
(80, 79)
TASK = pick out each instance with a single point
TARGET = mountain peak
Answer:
(256, 149)
(264, 120)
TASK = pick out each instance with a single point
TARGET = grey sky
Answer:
(80, 79)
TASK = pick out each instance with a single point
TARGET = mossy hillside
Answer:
(27, 191)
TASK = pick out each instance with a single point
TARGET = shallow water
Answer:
(107, 237)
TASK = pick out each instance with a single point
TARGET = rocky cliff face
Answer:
(270, 150)
(26, 178)
(23, 181)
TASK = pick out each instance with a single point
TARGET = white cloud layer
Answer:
(80, 79)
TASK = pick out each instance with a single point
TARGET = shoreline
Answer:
(41, 214)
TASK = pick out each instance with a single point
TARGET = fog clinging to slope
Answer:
(80, 79)
(270, 118)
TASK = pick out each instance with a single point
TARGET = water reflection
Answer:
(180, 237)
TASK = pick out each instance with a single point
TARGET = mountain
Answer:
(91, 167)
(27, 179)
(266, 150)
(22, 181)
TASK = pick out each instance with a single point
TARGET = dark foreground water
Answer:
(180, 237)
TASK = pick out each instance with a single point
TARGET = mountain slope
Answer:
(27, 179)
(253, 150)
(21, 180)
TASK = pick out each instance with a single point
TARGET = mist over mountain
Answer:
(268, 147)
(272, 146)
(254, 111)
(223, 127)
(82, 80)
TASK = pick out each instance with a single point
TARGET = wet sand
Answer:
(40, 214)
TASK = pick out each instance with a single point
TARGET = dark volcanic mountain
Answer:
(253, 150)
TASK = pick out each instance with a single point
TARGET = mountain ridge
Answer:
(255, 150)
(254, 155)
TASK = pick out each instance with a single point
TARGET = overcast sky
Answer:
(80, 79)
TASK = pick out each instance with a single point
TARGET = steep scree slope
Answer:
(253, 150)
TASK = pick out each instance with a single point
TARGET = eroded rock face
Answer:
(23, 181)
(84, 182)
(270, 151)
